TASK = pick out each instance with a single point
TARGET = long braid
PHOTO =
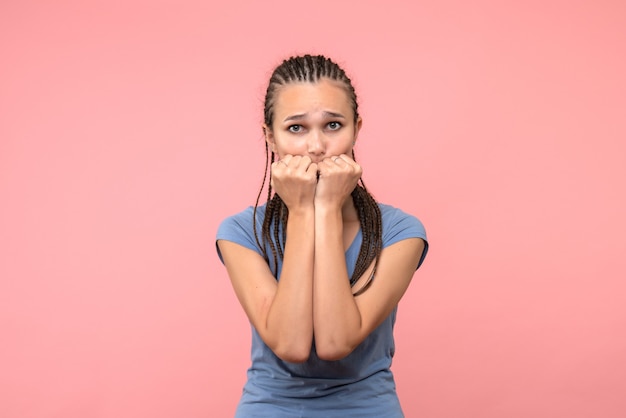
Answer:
(370, 220)
(311, 69)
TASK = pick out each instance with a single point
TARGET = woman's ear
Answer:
(269, 137)
(357, 128)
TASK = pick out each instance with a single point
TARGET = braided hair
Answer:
(311, 69)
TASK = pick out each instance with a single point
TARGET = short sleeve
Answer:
(398, 225)
(238, 229)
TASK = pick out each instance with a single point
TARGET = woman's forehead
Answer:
(302, 97)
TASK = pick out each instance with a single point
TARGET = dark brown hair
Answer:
(311, 69)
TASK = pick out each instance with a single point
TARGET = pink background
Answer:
(130, 129)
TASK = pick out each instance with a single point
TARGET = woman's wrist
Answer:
(327, 208)
(301, 210)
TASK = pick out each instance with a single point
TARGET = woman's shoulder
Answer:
(399, 225)
(239, 229)
(243, 218)
(393, 216)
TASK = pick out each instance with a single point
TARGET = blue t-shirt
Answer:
(359, 385)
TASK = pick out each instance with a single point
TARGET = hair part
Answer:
(311, 69)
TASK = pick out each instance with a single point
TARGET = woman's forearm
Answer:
(336, 318)
(289, 322)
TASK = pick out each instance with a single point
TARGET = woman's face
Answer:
(314, 120)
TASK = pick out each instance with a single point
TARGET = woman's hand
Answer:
(338, 176)
(294, 178)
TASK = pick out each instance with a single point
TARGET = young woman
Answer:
(319, 268)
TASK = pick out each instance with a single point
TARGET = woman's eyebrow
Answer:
(295, 117)
(333, 115)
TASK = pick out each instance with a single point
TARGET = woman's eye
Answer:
(333, 126)
(295, 128)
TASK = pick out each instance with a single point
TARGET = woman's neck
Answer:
(348, 211)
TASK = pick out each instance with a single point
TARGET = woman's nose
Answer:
(316, 143)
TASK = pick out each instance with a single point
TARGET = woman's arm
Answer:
(282, 311)
(340, 320)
